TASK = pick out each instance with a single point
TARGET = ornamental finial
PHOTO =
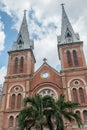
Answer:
(62, 4)
(45, 60)
(25, 12)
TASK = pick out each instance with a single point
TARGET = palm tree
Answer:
(49, 110)
(27, 118)
(65, 109)
(35, 117)
(39, 111)
(56, 110)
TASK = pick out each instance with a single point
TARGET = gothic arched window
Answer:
(11, 121)
(68, 36)
(16, 65)
(20, 42)
(75, 95)
(13, 102)
(78, 113)
(19, 98)
(75, 58)
(81, 95)
(85, 115)
(69, 58)
(21, 64)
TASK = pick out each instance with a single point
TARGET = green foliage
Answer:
(27, 117)
(65, 109)
(45, 111)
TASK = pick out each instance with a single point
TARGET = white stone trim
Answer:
(19, 57)
(84, 109)
(76, 78)
(7, 106)
(16, 115)
(11, 115)
(16, 85)
(78, 110)
(86, 89)
(16, 93)
(69, 93)
(77, 87)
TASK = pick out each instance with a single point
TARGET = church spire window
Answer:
(68, 33)
(75, 97)
(78, 113)
(11, 121)
(21, 64)
(81, 95)
(13, 101)
(75, 58)
(20, 42)
(69, 58)
(16, 65)
(68, 36)
(85, 115)
(19, 101)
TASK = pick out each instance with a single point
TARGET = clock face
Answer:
(45, 75)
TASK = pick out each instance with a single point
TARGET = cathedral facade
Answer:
(22, 80)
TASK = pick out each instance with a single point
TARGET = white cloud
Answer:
(47, 48)
(2, 35)
(46, 12)
(3, 71)
(80, 26)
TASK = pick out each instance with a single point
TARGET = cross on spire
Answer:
(25, 12)
(45, 60)
(62, 4)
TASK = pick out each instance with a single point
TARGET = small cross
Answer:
(45, 60)
(62, 4)
(25, 12)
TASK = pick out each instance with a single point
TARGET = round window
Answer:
(76, 82)
(45, 74)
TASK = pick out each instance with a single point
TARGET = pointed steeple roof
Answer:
(23, 40)
(67, 32)
(23, 32)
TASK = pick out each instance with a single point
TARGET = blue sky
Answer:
(10, 34)
(44, 22)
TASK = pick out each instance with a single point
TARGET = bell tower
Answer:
(17, 81)
(73, 69)
(69, 45)
(21, 57)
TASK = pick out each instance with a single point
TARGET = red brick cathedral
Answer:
(22, 80)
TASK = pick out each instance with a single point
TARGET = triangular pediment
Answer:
(46, 67)
(46, 76)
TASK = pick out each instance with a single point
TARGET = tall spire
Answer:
(23, 40)
(67, 32)
(24, 29)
